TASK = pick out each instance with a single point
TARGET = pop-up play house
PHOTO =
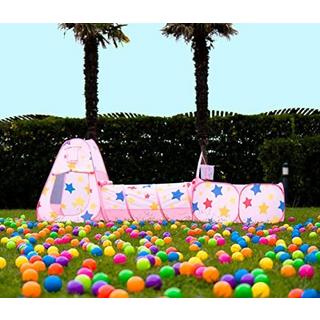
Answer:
(78, 189)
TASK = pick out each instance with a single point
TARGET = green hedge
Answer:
(303, 156)
(140, 150)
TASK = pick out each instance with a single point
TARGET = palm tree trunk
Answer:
(201, 63)
(91, 86)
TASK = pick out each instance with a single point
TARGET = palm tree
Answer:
(201, 36)
(91, 35)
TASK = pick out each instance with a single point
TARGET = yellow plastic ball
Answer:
(237, 256)
(109, 251)
(3, 263)
(202, 255)
(297, 241)
(39, 248)
(106, 243)
(181, 257)
(266, 263)
(281, 242)
(247, 239)
(74, 252)
(4, 240)
(173, 227)
(195, 260)
(260, 290)
(235, 248)
(226, 233)
(21, 260)
(53, 250)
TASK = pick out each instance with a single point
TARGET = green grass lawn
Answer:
(11, 283)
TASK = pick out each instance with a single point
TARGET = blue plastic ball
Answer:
(48, 260)
(240, 273)
(304, 247)
(97, 251)
(173, 256)
(52, 283)
(310, 293)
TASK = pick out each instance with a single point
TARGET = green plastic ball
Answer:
(243, 290)
(297, 254)
(162, 255)
(212, 242)
(10, 245)
(82, 234)
(287, 262)
(124, 275)
(173, 293)
(257, 271)
(101, 276)
(85, 281)
(160, 242)
(129, 250)
(143, 264)
(313, 235)
(262, 278)
(297, 263)
(53, 235)
(270, 254)
(167, 272)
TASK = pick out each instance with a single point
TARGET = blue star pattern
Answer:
(69, 187)
(87, 216)
(256, 188)
(195, 207)
(177, 195)
(281, 206)
(217, 191)
(120, 196)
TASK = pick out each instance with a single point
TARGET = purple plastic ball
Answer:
(230, 279)
(151, 259)
(153, 249)
(62, 260)
(176, 268)
(75, 287)
(154, 281)
(96, 286)
(247, 278)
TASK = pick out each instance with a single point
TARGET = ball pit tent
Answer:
(78, 189)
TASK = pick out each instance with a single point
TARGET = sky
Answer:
(264, 67)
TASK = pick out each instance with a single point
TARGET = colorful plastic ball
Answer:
(247, 252)
(90, 263)
(235, 248)
(266, 263)
(153, 281)
(173, 293)
(120, 258)
(167, 272)
(260, 290)
(105, 291)
(100, 276)
(230, 279)
(310, 293)
(297, 255)
(143, 264)
(224, 258)
(257, 271)
(212, 242)
(84, 280)
(39, 266)
(135, 284)
(297, 241)
(96, 286)
(62, 260)
(270, 254)
(247, 278)
(119, 293)
(75, 287)
(85, 271)
(222, 289)
(297, 263)
(124, 275)
(211, 274)
(288, 271)
(20, 261)
(30, 275)
(306, 271)
(243, 290)
(173, 256)
(129, 250)
(109, 251)
(10, 245)
(52, 283)
(262, 278)
(48, 260)
(240, 273)
(237, 256)
(295, 293)
(55, 269)
(31, 289)
(162, 255)
(3, 263)
(186, 268)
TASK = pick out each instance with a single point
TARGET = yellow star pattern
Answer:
(53, 214)
(87, 189)
(232, 200)
(71, 165)
(131, 200)
(172, 206)
(200, 193)
(78, 202)
(80, 179)
(93, 206)
(224, 211)
(154, 206)
(208, 184)
(63, 206)
(263, 208)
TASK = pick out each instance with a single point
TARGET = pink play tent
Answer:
(78, 189)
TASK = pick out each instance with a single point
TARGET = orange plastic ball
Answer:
(39, 266)
(211, 274)
(74, 242)
(186, 268)
(105, 291)
(55, 269)
(194, 247)
(135, 284)
(247, 252)
(312, 248)
(31, 289)
(288, 271)
(157, 261)
(292, 247)
(295, 293)
(90, 264)
(222, 289)
(35, 258)
(167, 240)
(119, 293)
(26, 266)
(30, 275)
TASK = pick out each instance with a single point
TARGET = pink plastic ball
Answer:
(66, 254)
(120, 258)
(224, 258)
(199, 272)
(263, 240)
(86, 271)
(221, 241)
(306, 271)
